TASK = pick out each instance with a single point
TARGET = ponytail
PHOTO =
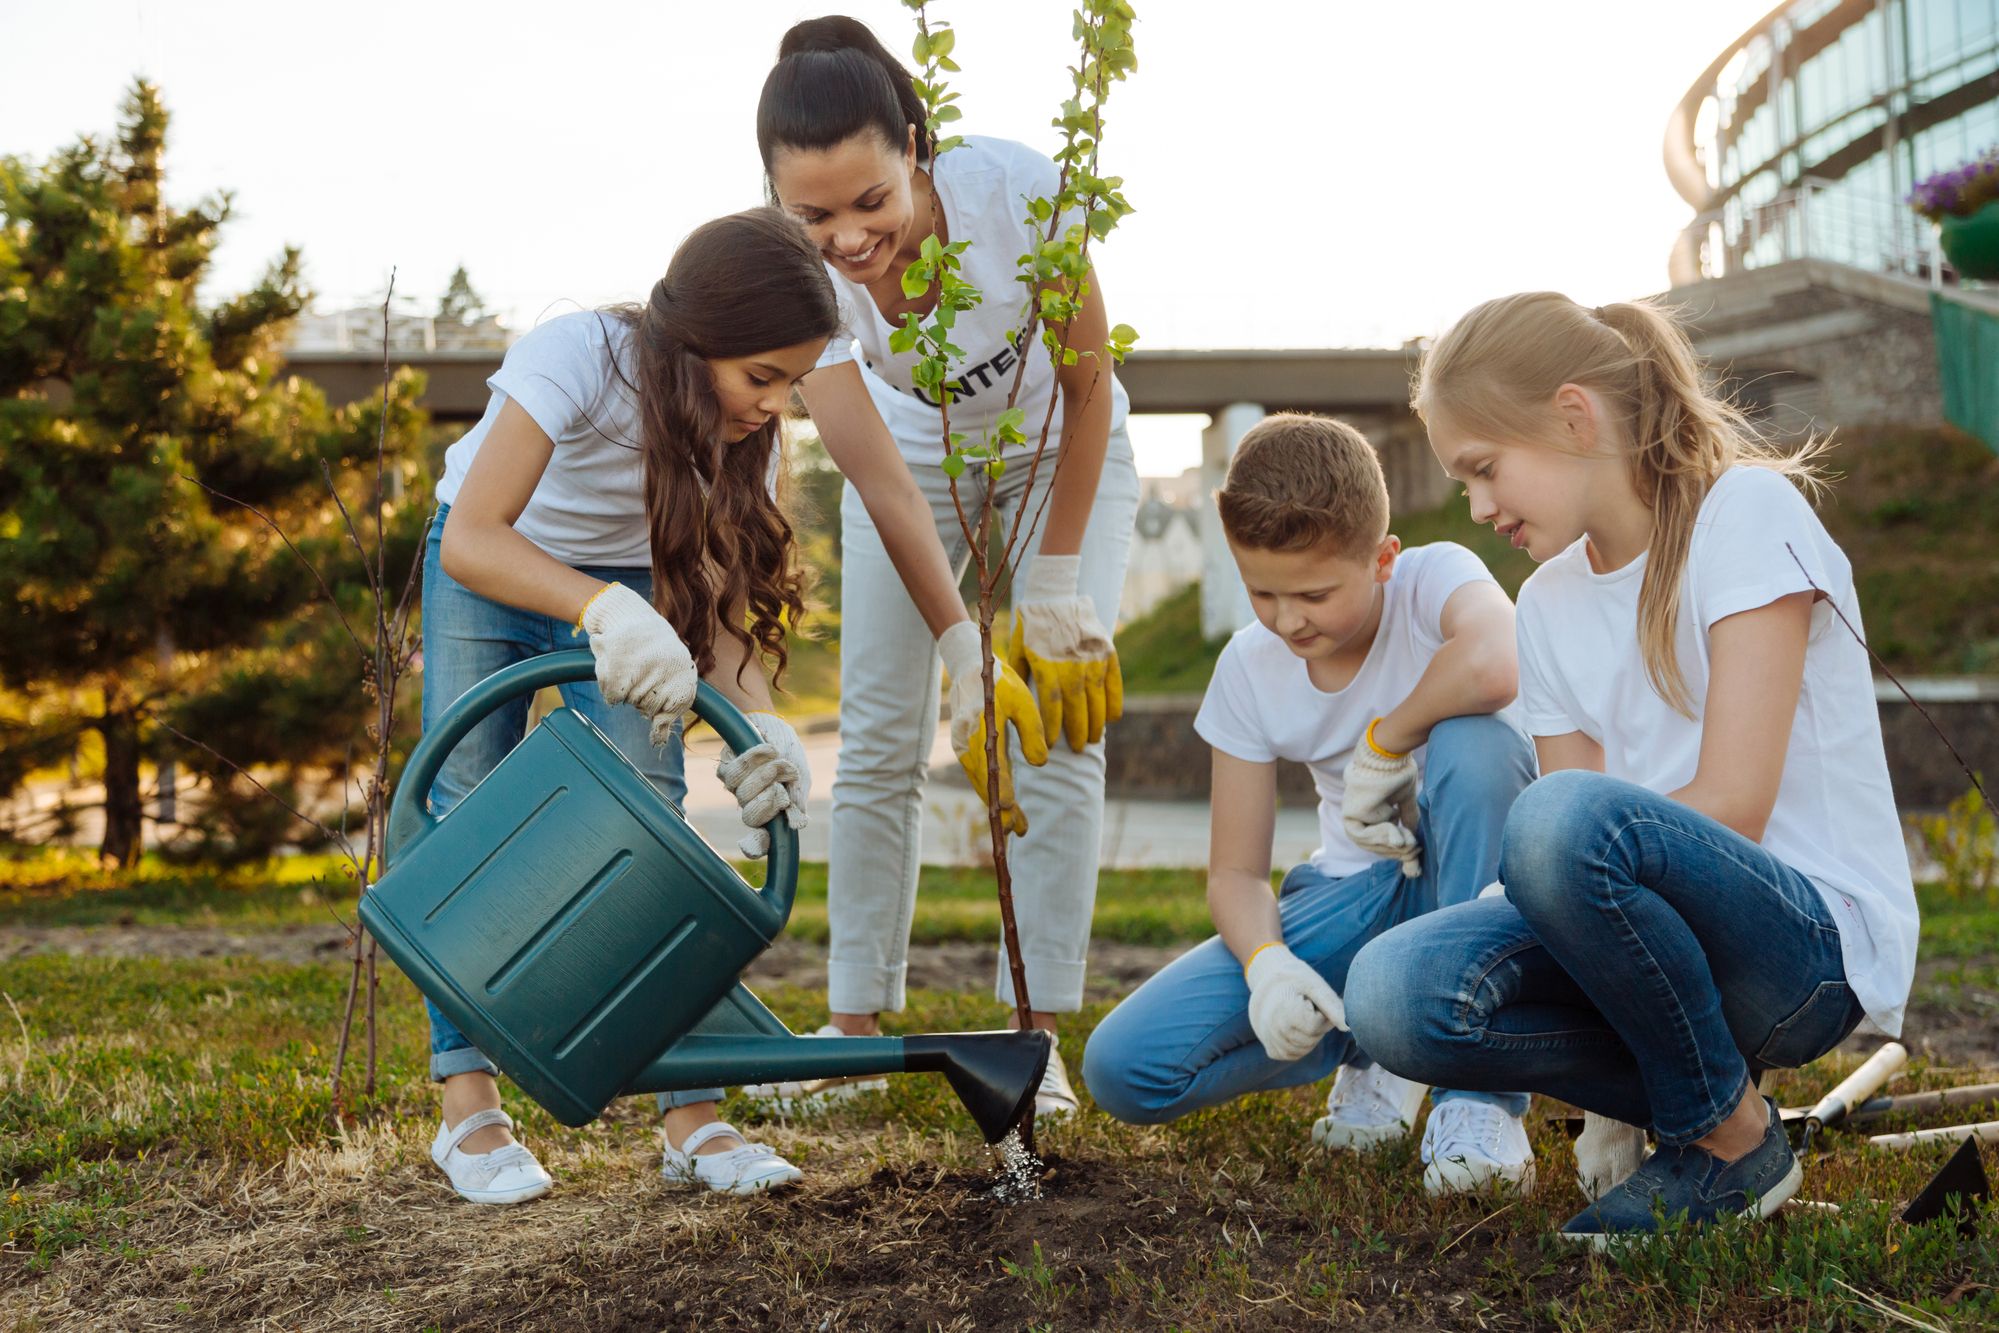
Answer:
(1498, 369)
(833, 79)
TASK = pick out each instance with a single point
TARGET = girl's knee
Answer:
(1552, 824)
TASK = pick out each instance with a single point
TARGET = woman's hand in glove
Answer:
(766, 779)
(1012, 703)
(1060, 645)
(1290, 1005)
(1379, 806)
(640, 660)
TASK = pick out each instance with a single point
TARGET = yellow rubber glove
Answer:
(1059, 644)
(1012, 703)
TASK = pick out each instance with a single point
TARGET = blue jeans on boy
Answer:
(1182, 1042)
(466, 638)
(1645, 961)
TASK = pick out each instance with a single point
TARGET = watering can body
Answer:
(567, 920)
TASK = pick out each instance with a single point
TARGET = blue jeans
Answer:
(466, 638)
(1644, 962)
(1182, 1042)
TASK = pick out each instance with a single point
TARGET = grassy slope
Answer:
(1916, 511)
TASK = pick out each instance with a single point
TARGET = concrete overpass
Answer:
(1369, 381)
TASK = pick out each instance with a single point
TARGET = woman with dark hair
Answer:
(844, 149)
(623, 484)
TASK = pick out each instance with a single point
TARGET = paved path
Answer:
(1136, 833)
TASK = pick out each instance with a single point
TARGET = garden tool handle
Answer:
(1861, 1084)
(408, 816)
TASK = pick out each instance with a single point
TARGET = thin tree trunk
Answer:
(123, 809)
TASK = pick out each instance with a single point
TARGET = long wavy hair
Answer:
(723, 550)
(1498, 369)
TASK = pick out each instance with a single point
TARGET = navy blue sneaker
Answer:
(1688, 1182)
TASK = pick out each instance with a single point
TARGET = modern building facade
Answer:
(1804, 136)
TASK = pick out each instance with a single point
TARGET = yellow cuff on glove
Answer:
(1013, 704)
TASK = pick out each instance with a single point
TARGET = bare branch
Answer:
(1976, 785)
(273, 525)
(352, 532)
(331, 836)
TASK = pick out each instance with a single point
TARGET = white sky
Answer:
(1307, 173)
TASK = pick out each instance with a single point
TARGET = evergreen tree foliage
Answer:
(133, 595)
(461, 304)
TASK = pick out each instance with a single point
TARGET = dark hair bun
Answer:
(834, 79)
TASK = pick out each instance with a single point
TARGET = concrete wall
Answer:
(1814, 345)
(1153, 752)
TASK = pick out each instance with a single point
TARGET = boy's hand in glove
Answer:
(1290, 1005)
(1012, 703)
(640, 660)
(1379, 806)
(1060, 645)
(767, 778)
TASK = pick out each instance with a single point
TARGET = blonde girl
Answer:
(1709, 879)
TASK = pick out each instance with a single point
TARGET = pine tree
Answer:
(461, 304)
(134, 589)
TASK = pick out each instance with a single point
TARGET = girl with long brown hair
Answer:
(1709, 879)
(623, 484)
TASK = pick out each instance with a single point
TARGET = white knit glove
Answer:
(767, 778)
(640, 660)
(1290, 1005)
(1380, 799)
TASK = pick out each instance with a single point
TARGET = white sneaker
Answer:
(1469, 1144)
(815, 1096)
(504, 1175)
(1607, 1152)
(745, 1170)
(1367, 1108)
(1055, 1099)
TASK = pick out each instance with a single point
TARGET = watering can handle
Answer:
(408, 816)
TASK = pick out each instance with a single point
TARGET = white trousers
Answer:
(890, 678)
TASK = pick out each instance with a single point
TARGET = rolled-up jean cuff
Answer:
(670, 1100)
(464, 1060)
(860, 988)
(1054, 985)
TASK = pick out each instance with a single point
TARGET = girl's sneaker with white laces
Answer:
(1055, 1099)
(1469, 1145)
(749, 1169)
(504, 1175)
(814, 1096)
(1367, 1108)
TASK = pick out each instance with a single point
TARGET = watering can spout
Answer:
(995, 1074)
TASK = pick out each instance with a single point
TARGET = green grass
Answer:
(64, 888)
(122, 1076)
(954, 904)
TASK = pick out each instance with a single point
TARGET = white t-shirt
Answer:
(1834, 821)
(589, 508)
(1262, 706)
(984, 185)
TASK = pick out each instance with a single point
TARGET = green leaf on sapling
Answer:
(942, 41)
(914, 284)
(996, 469)
(954, 466)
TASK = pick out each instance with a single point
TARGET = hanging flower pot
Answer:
(1972, 243)
(1964, 203)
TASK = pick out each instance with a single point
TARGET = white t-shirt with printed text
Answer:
(984, 185)
(1834, 820)
(1262, 706)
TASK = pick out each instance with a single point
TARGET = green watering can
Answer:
(570, 923)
